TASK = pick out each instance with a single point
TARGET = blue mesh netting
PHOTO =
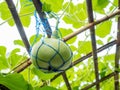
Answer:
(43, 27)
(51, 67)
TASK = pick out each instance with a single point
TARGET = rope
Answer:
(42, 26)
(38, 23)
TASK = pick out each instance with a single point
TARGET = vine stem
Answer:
(65, 9)
(58, 18)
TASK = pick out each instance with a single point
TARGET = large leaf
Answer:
(26, 11)
(3, 63)
(109, 58)
(107, 84)
(103, 29)
(103, 72)
(3, 60)
(73, 48)
(46, 7)
(14, 58)
(76, 88)
(115, 3)
(42, 75)
(65, 32)
(14, 82)
(2, 50)
(99, 5)
(47, 88)
(84, 47)
(19, 42)
(26, 20)
(75, 15)
(104, 62)
(5, 13)
(34, 38)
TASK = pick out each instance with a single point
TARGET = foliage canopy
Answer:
(72, 15)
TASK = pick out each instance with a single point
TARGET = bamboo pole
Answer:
(42, 15)
(117, 55)
(93, 40)
(18, 23)
(66, 81)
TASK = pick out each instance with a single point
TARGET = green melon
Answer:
(51, 55)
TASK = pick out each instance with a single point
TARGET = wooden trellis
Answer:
(93, 53)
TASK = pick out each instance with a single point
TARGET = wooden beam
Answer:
(93, 40)
(117, 54)
(18, 23)
(42, 15)
(66, 81)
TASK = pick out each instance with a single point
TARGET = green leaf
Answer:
(102, 3)
(14, 51)
(78, 18)
(103, 72)
(47, 88)
(26, 7)
(99, 5)
(5, 13)
(115, 2)
(26, 11)
(46, 7)
(33, 39)
(19, 42)
(65, 32)
(84, 47)
(76, 56)
(109, 39)
(14, 82)
(2, 50)
(3, 62)
(25, 20)
(107, 84)
(111, 8)
(3, 59)
(14, 58)
(109, 57)
(55, 5)
(100, 42)
(117, 69)
(103, 29)
(76, 88)
(42, 75)
(73, 48)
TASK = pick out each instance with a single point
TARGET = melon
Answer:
(51, 55)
